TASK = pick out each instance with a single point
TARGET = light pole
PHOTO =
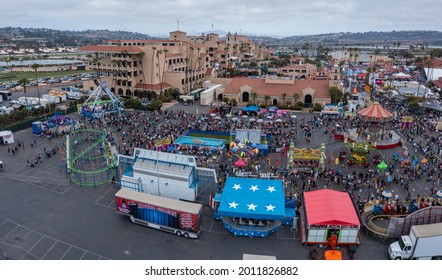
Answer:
(35, 67)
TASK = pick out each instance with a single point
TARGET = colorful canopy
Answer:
(239, 163)
(330, 208)
(382, 166)
(253, 198)
(375, 112)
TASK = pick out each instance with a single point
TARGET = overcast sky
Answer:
(261, 17)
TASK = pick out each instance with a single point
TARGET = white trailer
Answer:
(423, 243)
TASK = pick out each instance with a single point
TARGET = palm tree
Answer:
(284, 95)
(24, 82)
(296, 96)
(151, 72)
(266, 99)
(254, 95)
(35, 67)
(159, 52)
(118, 64)
(164, 67)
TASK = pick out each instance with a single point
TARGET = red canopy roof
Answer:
(375, 112)
(329, 207)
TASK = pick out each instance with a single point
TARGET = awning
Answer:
(330, 208)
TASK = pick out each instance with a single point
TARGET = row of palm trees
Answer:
(266, 98)
(24, 82)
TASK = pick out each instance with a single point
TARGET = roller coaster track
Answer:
(367, 220)
(92, 145)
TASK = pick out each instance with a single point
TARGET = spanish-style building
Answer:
(181, 61)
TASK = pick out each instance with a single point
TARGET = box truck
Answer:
(423, 243)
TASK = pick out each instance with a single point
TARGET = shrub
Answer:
(317, 107)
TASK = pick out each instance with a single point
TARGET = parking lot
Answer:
(43, 216)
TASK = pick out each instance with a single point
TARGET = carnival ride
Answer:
(60, 125)
(306, 157)
(359, 152)
(375, 128)
(245, 150)
(95, 107)
(90, 158)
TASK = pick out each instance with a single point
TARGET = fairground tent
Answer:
(330, 208)
(375, 112)
(253, 198)
(251, 108)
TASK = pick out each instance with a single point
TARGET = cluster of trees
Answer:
(20, 115)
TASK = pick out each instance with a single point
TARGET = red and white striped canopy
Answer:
(375, 112)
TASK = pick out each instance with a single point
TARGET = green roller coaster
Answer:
(89, 159)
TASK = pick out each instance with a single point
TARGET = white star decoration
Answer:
(254, 188)
(236, 186)
(233, 204)
(271, 189)
(252, 206)
(270, 207)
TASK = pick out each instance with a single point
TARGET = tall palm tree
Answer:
(164, 69)
(152, 64)
(159, 52)
(296, 97)
(266, 99)
(23, 82)
(283, 95)
(35, 67)
(254, 95)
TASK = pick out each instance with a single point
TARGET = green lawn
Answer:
(14, 76)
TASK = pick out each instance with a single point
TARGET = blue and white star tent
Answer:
(253, 198)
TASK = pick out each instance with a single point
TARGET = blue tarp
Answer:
(253, 198)
(251, 108)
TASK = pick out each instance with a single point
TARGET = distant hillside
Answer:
(37, 36)
(372, 37)
(28, 36)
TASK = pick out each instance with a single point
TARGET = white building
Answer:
(163, 174)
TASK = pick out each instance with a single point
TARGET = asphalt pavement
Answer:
(43, 216)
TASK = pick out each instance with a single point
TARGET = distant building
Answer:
(309, 91)
(136, 67)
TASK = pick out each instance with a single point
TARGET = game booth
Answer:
(198, 145)
(329, 214)
(6, 137)
(253, 207)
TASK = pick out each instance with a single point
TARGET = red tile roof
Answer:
(208, 72)
(437, 83)
(436, 63)
(259, 86)
(110, 49)
(155, 87)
